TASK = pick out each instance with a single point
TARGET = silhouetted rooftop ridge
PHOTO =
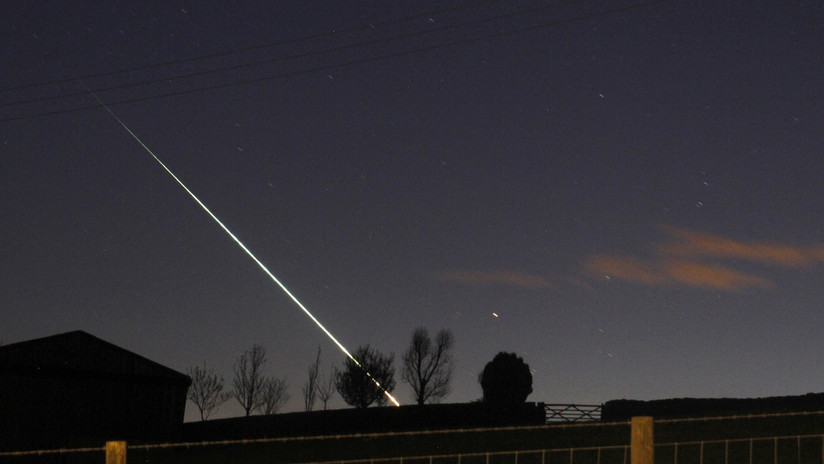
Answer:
(80, 352)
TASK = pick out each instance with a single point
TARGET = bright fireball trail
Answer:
(243, 247)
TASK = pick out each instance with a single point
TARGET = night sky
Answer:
(627, 195)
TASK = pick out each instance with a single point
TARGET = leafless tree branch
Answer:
(427, 367)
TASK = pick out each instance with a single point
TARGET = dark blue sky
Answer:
(636, 195)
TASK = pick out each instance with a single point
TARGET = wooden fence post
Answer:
(115, 452)
(642, 444)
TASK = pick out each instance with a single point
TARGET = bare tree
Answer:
(206, 391)
(310, 388)
(326, 387)
(427, 368)
(274, 395)
(249, 380)
(358, 384)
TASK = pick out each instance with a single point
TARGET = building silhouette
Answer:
(74, 389)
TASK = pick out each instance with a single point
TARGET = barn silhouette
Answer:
(74, 389)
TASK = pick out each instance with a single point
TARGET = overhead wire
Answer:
(249, 48)
(369, 59)
(294, 56)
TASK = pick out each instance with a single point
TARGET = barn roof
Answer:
(80, 353)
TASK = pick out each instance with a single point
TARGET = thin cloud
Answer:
(694, 244)
(713, 276)
(701, 260)
(486, 278)
(625, 268)
(673, 271)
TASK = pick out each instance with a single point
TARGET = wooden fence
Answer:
(496, 445)
(777, 438)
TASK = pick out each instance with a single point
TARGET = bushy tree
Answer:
(427, 366)
(506, 380)
(206, 391)
(356, 384)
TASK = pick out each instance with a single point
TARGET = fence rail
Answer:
(789, 449)
(712, 448)
(795, 449)
(572, 412)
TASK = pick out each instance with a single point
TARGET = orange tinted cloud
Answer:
(625, 268)
(510, 278)
(712, 276)
(693, 258)
(698, 244)
(671, 271)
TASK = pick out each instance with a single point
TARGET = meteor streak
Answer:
(243, 247)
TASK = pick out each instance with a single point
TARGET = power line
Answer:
(290, 57)
(242, 50)
(632, 7)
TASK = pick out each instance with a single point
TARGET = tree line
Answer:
(426, 366)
